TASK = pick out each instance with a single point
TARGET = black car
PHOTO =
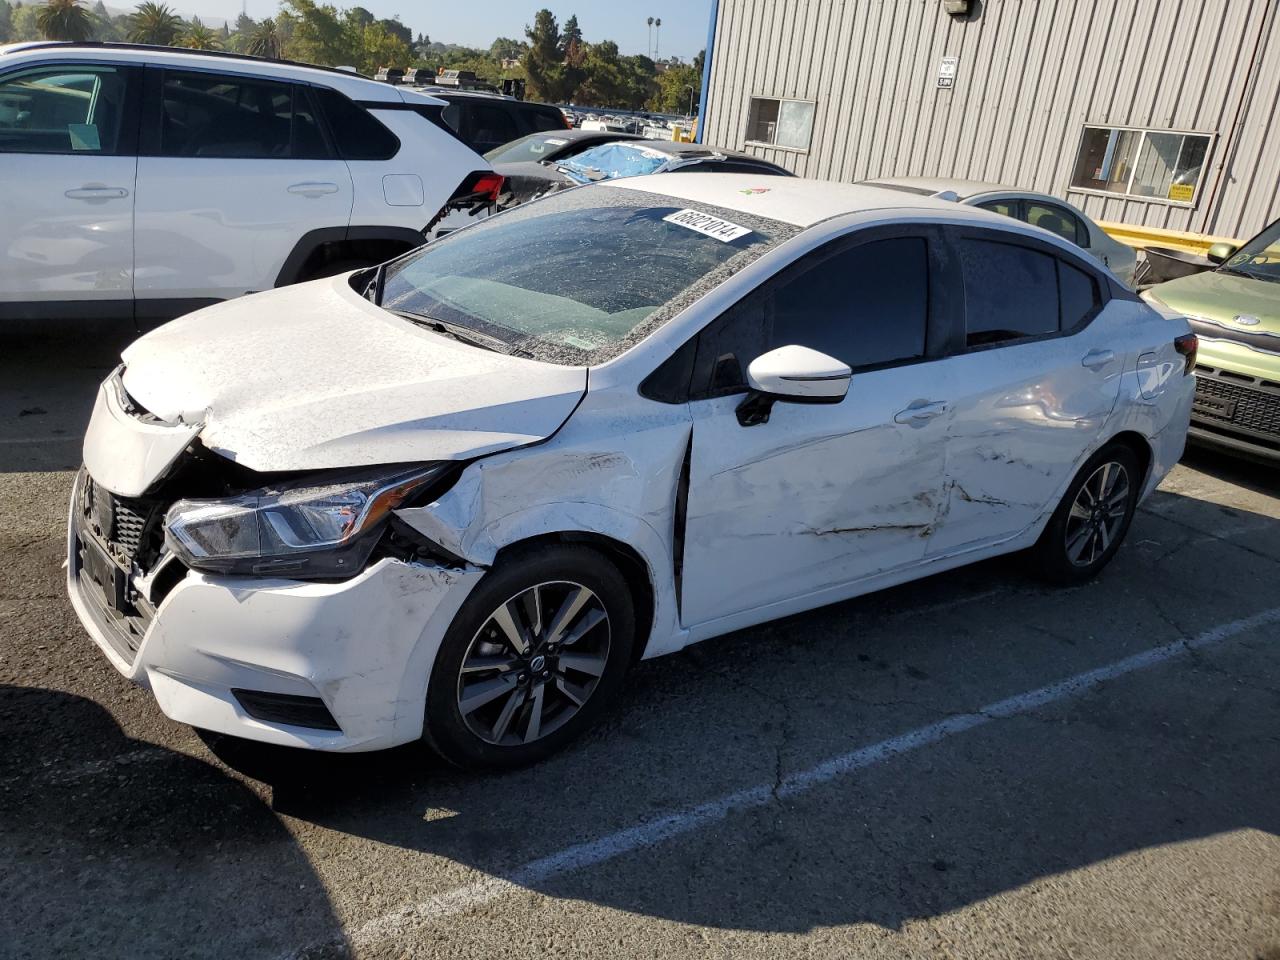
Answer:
(484, 121)
(553, 145)
(623, 156)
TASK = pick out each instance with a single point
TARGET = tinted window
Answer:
(62, 110)
(1078, 294)
(1009, 291)
(212, 115)
(356, 133)
(546, 120)
(867, 305)
(1006, 208)
(491, 124)
(1055, 219)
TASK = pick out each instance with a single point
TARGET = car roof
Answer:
(796, 200)
(963, 189)
(353, 84)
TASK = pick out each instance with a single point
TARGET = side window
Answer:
(233, 117)
(356, 133)
(1056, 219)
(543, 120)
(866, 305)
(64, 110)
(1010, 292)
(1077, 293)
(452, 115)
(492, 124)
(1006, 208)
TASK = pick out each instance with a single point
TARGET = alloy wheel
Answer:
(1097, 514)
(534, 663)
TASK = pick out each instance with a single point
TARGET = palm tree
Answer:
(154, 23)
(200, 37)
(64, 20)
(265, 41)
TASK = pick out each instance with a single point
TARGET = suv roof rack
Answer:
(150, 47)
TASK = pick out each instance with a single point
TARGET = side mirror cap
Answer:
(1221, 252)
(792, 374)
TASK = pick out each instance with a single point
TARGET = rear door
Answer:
(1032, 385)
(235, 170)
(68, 159)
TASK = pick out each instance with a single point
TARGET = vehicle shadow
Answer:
(126, 849)
(1165, 757)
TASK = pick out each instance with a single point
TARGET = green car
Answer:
(1235, 311)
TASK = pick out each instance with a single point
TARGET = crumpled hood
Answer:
(314, 376)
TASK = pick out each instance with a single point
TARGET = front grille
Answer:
(131, 528)
(1245, 403)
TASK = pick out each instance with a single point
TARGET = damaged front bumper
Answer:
(329, 666)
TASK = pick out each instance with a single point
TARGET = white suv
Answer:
(147, 181)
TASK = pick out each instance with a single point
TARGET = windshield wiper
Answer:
(457, 331)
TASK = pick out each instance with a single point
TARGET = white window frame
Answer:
(780, 100)
(1142, 132)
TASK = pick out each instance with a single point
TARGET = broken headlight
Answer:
(320, 527)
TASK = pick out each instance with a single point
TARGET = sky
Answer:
(684, 22)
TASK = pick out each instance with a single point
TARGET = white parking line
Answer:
(653, 832)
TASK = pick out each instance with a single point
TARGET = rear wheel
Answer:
(1091, 521)
(536, 653)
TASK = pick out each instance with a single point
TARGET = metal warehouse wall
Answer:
(1031, 74)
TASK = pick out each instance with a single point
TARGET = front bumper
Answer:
(1237, 412)
(364, 646)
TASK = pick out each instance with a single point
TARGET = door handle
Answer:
(1097, 359)
(920, 412)
(95, 192)
(313, 189)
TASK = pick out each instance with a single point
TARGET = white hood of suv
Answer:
(314, 376)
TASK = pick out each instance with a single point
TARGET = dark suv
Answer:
(484, 120)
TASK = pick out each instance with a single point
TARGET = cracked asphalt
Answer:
(1138, 818)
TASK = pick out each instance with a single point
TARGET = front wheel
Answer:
(1091, 521)
(536, 653)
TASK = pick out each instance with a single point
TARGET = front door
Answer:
(235, 170)
(67, 162)
(819, 496)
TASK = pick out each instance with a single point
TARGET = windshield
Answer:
(610, 161)
(536, 146)
(580, 276)
(1259, 258)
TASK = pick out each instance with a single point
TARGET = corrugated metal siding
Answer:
(1031, 74)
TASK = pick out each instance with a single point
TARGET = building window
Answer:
(780, 123)
(1151, 165)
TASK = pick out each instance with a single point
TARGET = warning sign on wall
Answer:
(947, 71)
(1182, 192)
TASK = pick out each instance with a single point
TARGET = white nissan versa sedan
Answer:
(459, 495)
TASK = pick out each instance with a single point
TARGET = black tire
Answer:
(552, 568)
(1055, 552)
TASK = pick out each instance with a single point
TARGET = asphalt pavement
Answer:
(975, 765)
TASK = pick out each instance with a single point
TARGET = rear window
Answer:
(357, 134)
(547, 120)
(578, 277)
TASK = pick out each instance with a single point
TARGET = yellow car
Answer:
(1235, 310)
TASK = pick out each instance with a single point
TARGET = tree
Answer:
(544, 60)
(700, 61)
(381, 48)
(6, 21)
(398, 30)
(505, 48)
(24, 23)
(154, 23)
(200, 37)
(64, 20)
(571, 35)
(317, 34)
(265, 41)
(677, 88)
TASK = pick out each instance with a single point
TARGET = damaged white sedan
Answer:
(458, 496)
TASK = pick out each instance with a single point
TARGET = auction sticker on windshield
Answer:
(704, 223)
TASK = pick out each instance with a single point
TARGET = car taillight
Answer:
(568, 124)
(479, 190)
(489, 185)
(1187, 345)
